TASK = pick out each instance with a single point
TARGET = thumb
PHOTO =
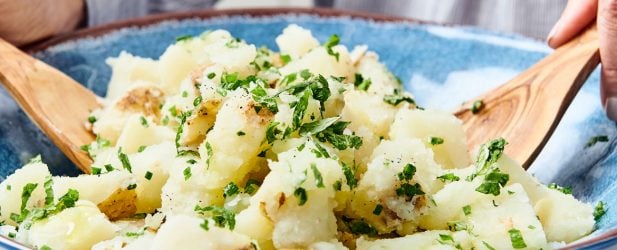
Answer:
(607, 31)
(577, 16)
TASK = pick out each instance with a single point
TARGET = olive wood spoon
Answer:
(59, 105)
(526, 109)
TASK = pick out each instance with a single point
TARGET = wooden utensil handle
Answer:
(51, 99)
(531, 105)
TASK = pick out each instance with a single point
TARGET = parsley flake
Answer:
(517, 238)
(318, 177)
(378, 209)
(230, 190)
(449, 177)
(477, 106)
(593, 140)
(599, 211)
(332, 41)
(300, 194)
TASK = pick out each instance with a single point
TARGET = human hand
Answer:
(26, 21)
(578, 15)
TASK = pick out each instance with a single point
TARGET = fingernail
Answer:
(551, 34)
(610, 107)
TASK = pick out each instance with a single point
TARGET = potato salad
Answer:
(219, 144)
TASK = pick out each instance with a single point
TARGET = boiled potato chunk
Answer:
(79, 227)
(383, 82)
(306, 214)
(128, 69)
(109, 191)
(185, 232)
(296, 41)
(11, 190)
(319, 62)
(137, 134)
(438, 239)
(365, 110)
(423, 124)
(563, 217)
(492, 220)
(175, 65)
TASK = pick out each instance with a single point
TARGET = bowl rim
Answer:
(205, 14)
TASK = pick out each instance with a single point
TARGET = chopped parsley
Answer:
(300, 108)
(230, 190)
(109, 167)
(211, 75)
(221, 216)
(332, 41)
(91, 119)
(409, 170)
(435, 140)
(409, 190)
(300, 194)
(210, 153)
(593, 140)
(141, 148)
(361, 227)
(184, 38)
(240, 133)
(517, 238)
(285, 58)
(378, 209)
(318, 177)
(467, 210)
(337, 185)
(204, 225)
(187, 173)
(185, 94)
(335, 136)
(148, 175)
(444, 238)
(493, 182)
(143, 121)
(317, 126)
(320, 151)
(251, 186)
(449, 177)
(565, 190)
(599, 211)
(457, 226)
(131, 186)
(477, 106)
(49, 192)
(26, 193)
(361, 83)
(124, 159)
(488, 155)
(95, 170)
(488, 246)
(272, 132)
(396, 98)
(197, 101)
(45, 247)
(191, 161)
(350, 176)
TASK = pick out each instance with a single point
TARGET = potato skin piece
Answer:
(120, 204)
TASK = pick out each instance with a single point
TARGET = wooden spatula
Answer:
(56, 103)
(526, 110)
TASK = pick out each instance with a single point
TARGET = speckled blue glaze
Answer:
(434, 62)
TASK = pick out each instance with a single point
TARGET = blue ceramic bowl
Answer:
(443, 66)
